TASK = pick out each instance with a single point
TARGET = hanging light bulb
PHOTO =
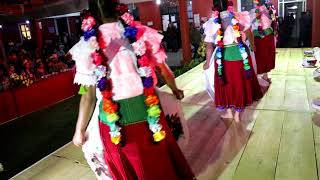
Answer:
(158, 2)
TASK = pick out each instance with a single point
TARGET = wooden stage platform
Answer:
(279, 137)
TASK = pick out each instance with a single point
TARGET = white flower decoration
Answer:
(234, 21)
(145, 71)
(139, 47)
(155, 127)
(244, 55)
(100, 71)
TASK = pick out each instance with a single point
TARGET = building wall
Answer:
(204, 7)
(310, 5)
(72, 25)
(47, 27)
(316, 24)
(11, 32)
(199, 8)
(150, 12)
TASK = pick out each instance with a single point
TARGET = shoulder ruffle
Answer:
(244, 19)
(150, 42)
(81, 53)
(210, 31)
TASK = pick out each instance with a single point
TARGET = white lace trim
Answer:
(85, 79)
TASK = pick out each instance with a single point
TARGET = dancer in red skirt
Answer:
(236, 85)
(114, 61)
(264, 25)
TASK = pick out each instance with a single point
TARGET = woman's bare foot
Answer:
(265, 77)
(228, 114)
(237, 117)
(263, 82)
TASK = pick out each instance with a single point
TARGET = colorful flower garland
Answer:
(110, 115)
(220, 44)
(272, 15)
(258, 18)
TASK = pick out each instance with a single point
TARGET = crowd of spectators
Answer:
(27, 64)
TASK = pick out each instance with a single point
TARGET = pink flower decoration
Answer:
(215, 14)
(128, 18)
(230, 9)
(139, 47)
(88, 23)
(144, 61)
(97, 59)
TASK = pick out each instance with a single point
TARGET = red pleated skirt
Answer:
(141, 159)
(238, 91)
(265, 53)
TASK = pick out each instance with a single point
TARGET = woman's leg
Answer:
(228, 114)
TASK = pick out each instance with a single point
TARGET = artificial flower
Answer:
(149, 91)
(148, 82)
(88, 23)
(144, 61)
(128, 18)
(116, 140)
(111, 118)
(154, 111)
(145, 71)
(139, 47)
(152, 100)
(159, 136)
(90, 33)
(97, 59)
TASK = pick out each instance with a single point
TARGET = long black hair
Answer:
(220, 5)
(103, 9)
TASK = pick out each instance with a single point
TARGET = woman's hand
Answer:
(79, 138)
(253, 48)
(206, 65)
(178, 93)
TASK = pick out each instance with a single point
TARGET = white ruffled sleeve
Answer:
(81, 54)
(210, 31)
(244, 20)
(153, 41)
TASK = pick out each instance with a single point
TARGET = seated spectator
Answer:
(27, 71)
(27, 76)
(40, 69)
(4, 79)
(55, 65)
(68, 58)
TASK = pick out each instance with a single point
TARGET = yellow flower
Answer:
(111, 118)
(159, 136)
(237, 34)
(219, 37)
(116, 140)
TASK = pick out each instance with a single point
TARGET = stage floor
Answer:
(279, 137)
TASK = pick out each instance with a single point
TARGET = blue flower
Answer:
(88, 34)
(231, 15)
(130, 32)
(216, 20)
(102, 84)
(219, 55)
